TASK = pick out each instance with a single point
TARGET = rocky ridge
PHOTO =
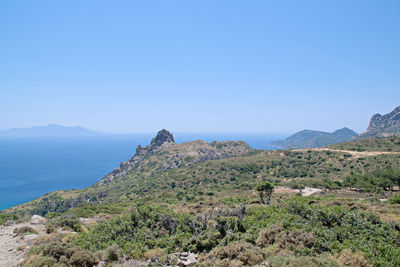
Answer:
(383, 125)
(162, 140)
(164, 154)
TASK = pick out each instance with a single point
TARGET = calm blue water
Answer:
(30, 168)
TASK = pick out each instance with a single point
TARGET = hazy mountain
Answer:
(310, 138)
(50, 130)
(383, 125)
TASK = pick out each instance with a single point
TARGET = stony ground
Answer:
(10, 256)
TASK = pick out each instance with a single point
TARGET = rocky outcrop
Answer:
(186, 259)
(383, 125)
(36, 219)
(162, 140)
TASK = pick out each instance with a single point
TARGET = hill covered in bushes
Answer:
(198, 197)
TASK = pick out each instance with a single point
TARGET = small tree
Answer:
(298, 186)
(395, 177)
(265, 190)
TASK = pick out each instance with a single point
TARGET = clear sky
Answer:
(198, 65)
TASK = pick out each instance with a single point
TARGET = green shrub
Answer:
(57, 253)
(24, 230)
(304, 261)
(395, 199)
(113, 253)
(348, 258)
(234, 254)
(269, 236)
(8, 217)
(66, 220)
(50, 228)
(82, 258)
(44, 261)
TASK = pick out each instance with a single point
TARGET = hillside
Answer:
(167, 200)
(389, 144)
(310, 139)
(383, 125)
(172, 204)
(50, 130)
(161, 155)
(165, 170)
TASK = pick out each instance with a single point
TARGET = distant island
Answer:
(50, 130)
(314, 139)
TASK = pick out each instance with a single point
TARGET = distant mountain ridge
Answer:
(50, 130)
(314, 139)
(383, 125)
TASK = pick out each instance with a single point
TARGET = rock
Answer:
(30, 237)
(8, 223)
(162, 137)
(383, 125)
(36, 219)
(186, 259)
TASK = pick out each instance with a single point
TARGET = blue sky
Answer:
(198, 66)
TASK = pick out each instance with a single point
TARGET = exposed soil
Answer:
(10, 256)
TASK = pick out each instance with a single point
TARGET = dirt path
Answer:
(308, 191)
(9, 242)
(353, 153)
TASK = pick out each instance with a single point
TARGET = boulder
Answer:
(8, 223)
(30, 237)
(36, 219)
(186, 259)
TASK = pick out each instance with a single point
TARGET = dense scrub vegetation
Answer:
(378, 180)
(312, 230)
(57, 253)
(389, 144)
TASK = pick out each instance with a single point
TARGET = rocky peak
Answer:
(162, 137)
(162, 140)
(378, 121)
(383, 125)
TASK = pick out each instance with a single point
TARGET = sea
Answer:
(31, 167)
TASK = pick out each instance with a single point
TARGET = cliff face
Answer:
(383, 125)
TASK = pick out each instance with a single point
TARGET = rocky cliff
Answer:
(162, 140)
(383, 125)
